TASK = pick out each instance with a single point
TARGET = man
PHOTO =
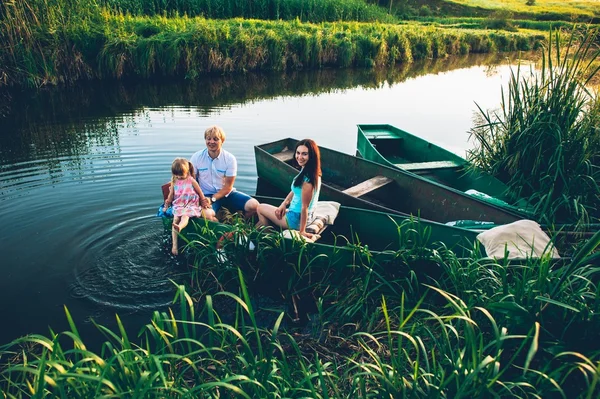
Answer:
(215, 171)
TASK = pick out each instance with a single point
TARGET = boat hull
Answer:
(393, 147)
(379, 234)
(404, 193)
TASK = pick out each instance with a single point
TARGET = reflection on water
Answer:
(77, 105)
(81, 169)
(47, 155)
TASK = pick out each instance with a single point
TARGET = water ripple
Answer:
(131, 267)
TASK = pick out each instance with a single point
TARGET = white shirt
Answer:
(210, 172)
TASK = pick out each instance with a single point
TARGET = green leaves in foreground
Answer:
(478, 328)
(452, 352)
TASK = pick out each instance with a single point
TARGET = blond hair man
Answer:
(216, 170)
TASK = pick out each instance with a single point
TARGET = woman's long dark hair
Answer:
(312, 169)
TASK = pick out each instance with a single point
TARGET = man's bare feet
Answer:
(174, 251)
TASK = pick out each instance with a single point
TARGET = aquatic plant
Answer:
(431, 344)
(545, 138)
(418, 322)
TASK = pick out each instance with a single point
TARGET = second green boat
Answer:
(393, 147)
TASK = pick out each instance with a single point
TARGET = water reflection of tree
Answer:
(108, 99)
(55, 150)
(54, 124)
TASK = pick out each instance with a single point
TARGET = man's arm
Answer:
(195, 163)
(228, 180)
(226, 189)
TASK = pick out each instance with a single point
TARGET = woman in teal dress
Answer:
(303, 196)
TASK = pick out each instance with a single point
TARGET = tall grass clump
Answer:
(545, 139)
(434, 345)
(49, 43)
(304, 10)
(43, 40)
(560, 295)
(176, 357)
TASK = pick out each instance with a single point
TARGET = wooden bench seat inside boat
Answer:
(429, 165)
(367, 186)
(285, 155)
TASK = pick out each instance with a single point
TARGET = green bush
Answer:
(501, 19)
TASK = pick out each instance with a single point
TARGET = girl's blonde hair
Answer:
(180, 167)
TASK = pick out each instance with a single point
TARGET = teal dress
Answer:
(293, 212)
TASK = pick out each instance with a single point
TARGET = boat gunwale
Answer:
(464, 236)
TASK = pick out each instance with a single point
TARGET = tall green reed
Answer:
(544, 140)
(305, 10)
(560, 295)
(41, 40)
(408, 339)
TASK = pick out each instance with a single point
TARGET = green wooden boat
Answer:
(380, 233)
(393, 147)
(360, 183)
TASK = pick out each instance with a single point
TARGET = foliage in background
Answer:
(38, 40)
(582, 10)
(305, 10)
(483, 23)
(65, 44)
(545, 140)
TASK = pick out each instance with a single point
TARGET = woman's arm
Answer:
(307, 195)
(280, 211)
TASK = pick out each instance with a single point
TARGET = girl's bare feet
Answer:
(174, 251)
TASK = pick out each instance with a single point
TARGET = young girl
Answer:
(303, 198)
(186, 196)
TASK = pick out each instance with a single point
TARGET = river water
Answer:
(81, 170)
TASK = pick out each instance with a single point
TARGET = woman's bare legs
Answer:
(250, 208)
(266, 216)
(175, 247)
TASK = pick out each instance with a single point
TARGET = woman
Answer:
(303, 198)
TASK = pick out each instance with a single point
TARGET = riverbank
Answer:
(105, 45)
(270, 321)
